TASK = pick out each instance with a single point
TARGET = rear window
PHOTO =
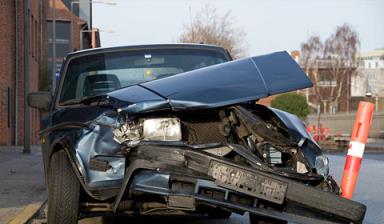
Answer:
(99, 73)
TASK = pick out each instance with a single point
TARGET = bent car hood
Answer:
(219, 85)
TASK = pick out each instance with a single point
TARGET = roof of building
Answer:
(63, 13)
(372, 54)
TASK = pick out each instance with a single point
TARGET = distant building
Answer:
(370, 75)
(81, 9)
(72, 31)
(329, 85)
(296, 56)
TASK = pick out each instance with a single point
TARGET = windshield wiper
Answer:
(85, 100)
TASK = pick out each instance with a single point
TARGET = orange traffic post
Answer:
(356, 148)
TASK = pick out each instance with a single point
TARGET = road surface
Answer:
(20, 186)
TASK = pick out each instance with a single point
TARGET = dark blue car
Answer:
(177, 128)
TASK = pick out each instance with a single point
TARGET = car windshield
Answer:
(95, 74)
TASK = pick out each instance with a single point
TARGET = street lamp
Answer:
(370, 96)
(107, 2)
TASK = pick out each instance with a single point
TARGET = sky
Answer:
(269, 25)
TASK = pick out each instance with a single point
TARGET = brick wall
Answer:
(8, 66)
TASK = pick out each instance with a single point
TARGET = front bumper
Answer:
(182, 177)
(208, 193)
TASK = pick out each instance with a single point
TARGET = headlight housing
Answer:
(322, 164)
(162, 129)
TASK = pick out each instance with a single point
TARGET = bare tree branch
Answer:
(338, 62)
(208, 27)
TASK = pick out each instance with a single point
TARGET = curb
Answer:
(27, 213)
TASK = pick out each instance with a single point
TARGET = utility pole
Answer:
(27, 140)
(71, 29)
(53, 46)
(17, 70)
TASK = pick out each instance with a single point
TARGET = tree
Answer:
(208, 27)
(341, 49)
(311, 52)
(331, 64)
(293, 103)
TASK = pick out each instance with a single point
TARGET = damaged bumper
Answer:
(187, 179)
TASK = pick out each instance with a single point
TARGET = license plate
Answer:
(249, 183)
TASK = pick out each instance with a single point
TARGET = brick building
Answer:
(328, 79)
(333, 87)
(31, 60)
(15, 56)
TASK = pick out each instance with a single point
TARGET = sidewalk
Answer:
(22, 186)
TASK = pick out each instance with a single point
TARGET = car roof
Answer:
(147, 46)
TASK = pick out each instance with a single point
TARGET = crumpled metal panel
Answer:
(221, 85)
(310, 149)
(135, 94)
(147, 106)
(295, 126)
(98, 142)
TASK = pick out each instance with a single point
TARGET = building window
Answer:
(10, 106)
(62, 42)
(32, 37)
(327, 83)
(36, 40)
(29, 30)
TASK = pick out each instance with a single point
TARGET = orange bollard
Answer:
(356, 148)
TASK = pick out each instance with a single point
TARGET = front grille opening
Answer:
(179, 186)
(240, 199)
(202, 128)
(212, 193)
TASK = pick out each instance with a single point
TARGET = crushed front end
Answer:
(243, 158)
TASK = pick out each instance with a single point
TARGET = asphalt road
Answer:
(369, 190)
(19, 186)
(370, 186)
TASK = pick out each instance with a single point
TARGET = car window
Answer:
(104, 72)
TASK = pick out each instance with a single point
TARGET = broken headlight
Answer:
(162, 129)
(322, 164)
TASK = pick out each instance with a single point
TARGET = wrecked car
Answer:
(177, 129)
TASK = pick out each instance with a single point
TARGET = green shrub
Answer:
(293, 103)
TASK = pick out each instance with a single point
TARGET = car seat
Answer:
(100, 83)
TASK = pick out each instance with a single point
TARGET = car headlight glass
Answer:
(322, 164)
(162, 129)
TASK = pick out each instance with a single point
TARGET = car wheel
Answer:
(219, 214)
(63, 191)
(258, 219)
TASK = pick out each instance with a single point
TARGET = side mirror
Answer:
(40, 100)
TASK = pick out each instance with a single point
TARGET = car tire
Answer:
(63, 191)
(258, 219)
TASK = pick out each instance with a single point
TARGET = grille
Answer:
(202, 129)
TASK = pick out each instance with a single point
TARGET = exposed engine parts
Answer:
(258, 131)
